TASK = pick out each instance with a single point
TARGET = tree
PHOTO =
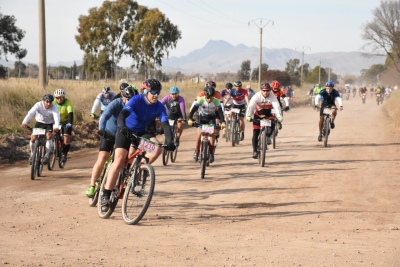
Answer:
(10, 38)
(244, 72)
(281, 76)
(254, 73)
(371, 75)
(316, 76)
(292, 67)
(383, 32)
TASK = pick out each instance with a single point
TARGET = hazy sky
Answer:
(310, 25)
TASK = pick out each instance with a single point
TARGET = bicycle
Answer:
(235, 126)
(364, 97)
(39, 151)
(326, 126)
(262, 143)
(228, 130)
(135, 183)
(379, 99)
(172, 154)
(56, 150)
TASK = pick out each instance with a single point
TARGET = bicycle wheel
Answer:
(53, 154)
(35, 160)
(42, 152)
(204, 158)
(264, 146)
(326, 131)
(165, 156)
(60, 145)
(174, 154)
(234, 135)
(138, 194)
(238, 132)
(228, 131)
(274, 133)
(105, 212)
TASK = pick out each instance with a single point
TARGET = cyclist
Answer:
(317, 89)
(66, 111)
(250, 92)
(240, 100)
(134, 117)
(278, 92)
(46, 114)
(104, 98)
(107, 130)
(354, 91)
(363, 90)
(207, 106)
(176, 109)
(371, 90)
(260, 106)
(229, 103)
(122, 86)
(328, 96)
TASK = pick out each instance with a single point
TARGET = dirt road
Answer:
(311, 206)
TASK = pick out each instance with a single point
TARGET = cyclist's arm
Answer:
(56, 116)
(165, 125)
(30, 114)
(122, 117)
(286, 99)
(317, 99)
(96, 103)
(251, 106)
(193, 110)
(182, 105)
(228, 96)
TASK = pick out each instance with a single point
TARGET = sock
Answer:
(48, 146)
(66, 148)
(31, 147)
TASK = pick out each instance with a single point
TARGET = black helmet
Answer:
(123, 86)
(48, 98)
(212, 83)
(209, 90)
(129, 92)
(229, 85)
(265, 86)
(238, 83)
(152, 84)
(106, 89)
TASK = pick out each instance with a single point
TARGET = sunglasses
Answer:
(265, 90)
(153, 92)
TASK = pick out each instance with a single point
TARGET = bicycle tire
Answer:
(227, 131)
(35, 160)
(326, 132)
(264, 147)
(165, 156)
(238, 132)
(53, 154)
(42, 152)
(60, 144)
(204, 158)
(274, 135)
(174, 154)
(138, 194)
(105, 214)
(234, 135)
(97, 186)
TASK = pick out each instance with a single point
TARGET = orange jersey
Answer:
(280, 93)
(217, 95)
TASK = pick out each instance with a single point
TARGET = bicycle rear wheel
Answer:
(263, 147)
(274, 135)
(138, 194)
(35, 160)
(53, 154)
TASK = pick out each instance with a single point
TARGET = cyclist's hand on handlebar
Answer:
(223, 126)
(25, 126)
(249, 119)
(280, 119)
(340, 108)
(190, 122)
(170, 146)
(124, 130)
(68, 125)
(101, 132)
(287, 108)
(93, 115)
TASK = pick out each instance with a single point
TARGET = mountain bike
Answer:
(364, 97)
(135, 184)
(172, 154)
(235, 126)
(228, 130)
(262, 143)
(93, 200)
(56, 150)
(379, 99)
(39, 151)
(326, 126)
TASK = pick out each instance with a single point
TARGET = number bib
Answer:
(327, 111)
(235, 110)
(206, 128)
(265, 123)
(38, 131)
(171, 122)
(147, 145)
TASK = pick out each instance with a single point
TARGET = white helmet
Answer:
(59, 92)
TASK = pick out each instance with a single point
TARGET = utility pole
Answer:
(303, 48)
(261, 26)
(42, 46)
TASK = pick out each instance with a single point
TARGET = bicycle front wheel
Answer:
(53, 154)
(205, 150)
(326, 132)
(138, 194)
(263, 147)
(174, 154)
(165, 156)
(42, 152)
(274, 135)
(233, 131)
(35, 160)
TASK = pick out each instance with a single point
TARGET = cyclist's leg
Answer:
(256, 133)
(67, 141)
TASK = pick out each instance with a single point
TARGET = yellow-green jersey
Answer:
(64, 110)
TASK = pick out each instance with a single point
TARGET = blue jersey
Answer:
(329, 99)
(108, 120)
(142, 113)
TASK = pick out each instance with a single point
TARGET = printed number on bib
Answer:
(207, 128)
(147, 145)
(38, 131)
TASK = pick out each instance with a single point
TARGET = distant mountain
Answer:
(220, 56)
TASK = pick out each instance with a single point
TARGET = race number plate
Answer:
(236, 110)
(273, 111)
(328, 111)
(171, 122)
(265, 123)
(38, 131)
(227, 112)
(147, 145)
(207, 128)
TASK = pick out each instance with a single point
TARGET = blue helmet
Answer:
(329, 84)
(48, 98)
(174, 90)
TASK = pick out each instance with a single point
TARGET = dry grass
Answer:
(392, 108)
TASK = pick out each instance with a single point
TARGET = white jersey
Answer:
(46, 116)
(258, 102)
